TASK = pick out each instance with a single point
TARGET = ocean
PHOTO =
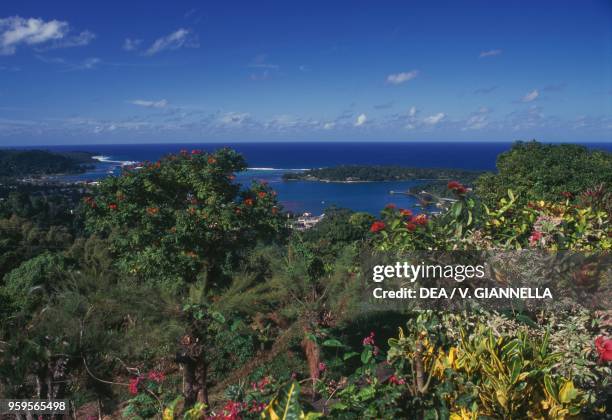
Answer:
(268, 161)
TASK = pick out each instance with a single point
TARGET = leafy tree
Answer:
(182, 221)
(20, 240)
(536, 171)
(183, 218)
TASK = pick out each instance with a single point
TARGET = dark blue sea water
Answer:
(268, 161)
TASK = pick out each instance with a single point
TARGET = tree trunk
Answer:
(190, 387)
(419, 369)
(203, 379)
(313, 357)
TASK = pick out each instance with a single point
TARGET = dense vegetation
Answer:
(362, 173)
(172, 291)
(537, 171)
(40, 162)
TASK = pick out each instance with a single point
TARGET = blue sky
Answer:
(161, 71)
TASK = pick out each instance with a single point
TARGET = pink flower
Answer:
(394, 380)
(322, 367)
(196, 152)
(390, 206)
(156, 376)
(369, 340)
(535, 237)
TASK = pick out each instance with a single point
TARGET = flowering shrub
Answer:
(147, 395)
(468, 224)
(176, 220)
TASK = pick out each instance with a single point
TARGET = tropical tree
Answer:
(182, 223)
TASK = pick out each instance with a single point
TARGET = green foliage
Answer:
(31, 285)
(286, 405)
(38, 162)
(176, 270)
(21, 240)
(347, 173)
(182, 219)
(468, 224)
(537, 171)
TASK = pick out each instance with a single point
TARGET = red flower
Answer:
(112, 206)
(322, 367)
(261, 194)
(411, 226)
(248, 201)
(231, 177)
(274, 210)
(212, 160)
(420, 219)
(567, 195)
(390, 206)
(377, 226)
(406, 213)
(457, 187)
(152, 210)
(133, 386)
(394, 380)
(156, 376)
(604, 348)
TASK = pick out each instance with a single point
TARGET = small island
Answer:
(379, 173)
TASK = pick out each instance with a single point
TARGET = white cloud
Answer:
(402, 77)
(87, 64)
(490, 53)
(80, 40)
(329, 126)
(16, 30)
(234, 118)
(531, 96)
(361, 120)
(131, 44)
(434, 119)
(412, 111)
(162, 103)
(177, 39)
(478, 120)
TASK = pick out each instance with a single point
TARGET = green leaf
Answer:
(332, 342)
(366, 356)
(550, 387)
(349, 355)
(285, 406)
(568, 392)
(218, 317)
